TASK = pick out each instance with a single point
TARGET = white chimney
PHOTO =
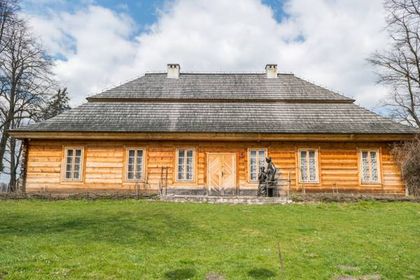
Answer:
(173, 71)
(271, 71)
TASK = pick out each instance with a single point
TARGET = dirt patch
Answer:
(363, 277)
(344, 267)
(214, 276)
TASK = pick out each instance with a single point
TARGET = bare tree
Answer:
(25, 84)
(25, 81)
(8, 17)
(399, 66)
(15, 150)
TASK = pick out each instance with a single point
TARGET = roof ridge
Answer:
(216, 100)
(217, 73)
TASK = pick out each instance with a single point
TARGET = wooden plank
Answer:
(105, 162)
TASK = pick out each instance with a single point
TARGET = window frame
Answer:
(249, 162)
(317, 169)
(143, 165)
(81, 168)
(192, 180)
(378, 166)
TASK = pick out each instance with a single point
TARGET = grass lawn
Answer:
(129, 239)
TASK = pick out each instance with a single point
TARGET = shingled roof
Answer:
(220, 117)
(224, 87)
(225, 103)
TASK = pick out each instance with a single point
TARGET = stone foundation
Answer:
(205, 191)
(225, 199)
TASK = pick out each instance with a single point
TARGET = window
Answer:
(135, 164)
(369, 167)
(185, 170)
(256, 161)
(74, 161)
(308, 163)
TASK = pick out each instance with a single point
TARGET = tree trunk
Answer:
(3, 143)
(12, 182)
(9, 118)
(24, 164)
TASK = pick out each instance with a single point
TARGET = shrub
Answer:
(408, 158)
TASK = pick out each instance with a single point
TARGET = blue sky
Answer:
(144, 12)
(99, 44)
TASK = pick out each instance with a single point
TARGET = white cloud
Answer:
(95, 44)
(323, 41)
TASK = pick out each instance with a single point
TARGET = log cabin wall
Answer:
(105, 162)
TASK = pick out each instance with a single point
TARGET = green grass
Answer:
(129, 239)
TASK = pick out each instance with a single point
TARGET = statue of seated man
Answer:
(271, 171)
(262, 182)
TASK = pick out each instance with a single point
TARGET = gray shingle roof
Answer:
(235, 103)
(220, 87)
(220, 117)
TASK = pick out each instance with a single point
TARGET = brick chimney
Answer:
(271, 71)
(173, 71)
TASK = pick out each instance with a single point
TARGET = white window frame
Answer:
(72, 171)
(143, 164)
(308, 181)
(186, 149)
(258, 162)
(378, 166)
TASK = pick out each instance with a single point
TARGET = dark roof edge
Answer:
(214, 100)
(18, 132)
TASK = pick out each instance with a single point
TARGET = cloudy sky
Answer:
(102, 43)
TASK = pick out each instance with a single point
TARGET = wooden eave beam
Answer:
(214, 100)
(210, 136)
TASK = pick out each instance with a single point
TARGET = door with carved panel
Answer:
(221, 172)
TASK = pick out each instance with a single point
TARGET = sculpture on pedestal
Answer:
(267, 181)
(262, 178)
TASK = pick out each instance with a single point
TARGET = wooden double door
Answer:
(221, 172)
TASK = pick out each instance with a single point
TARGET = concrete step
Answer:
(225, 199)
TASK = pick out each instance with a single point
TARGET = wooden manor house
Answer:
(201, 133)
